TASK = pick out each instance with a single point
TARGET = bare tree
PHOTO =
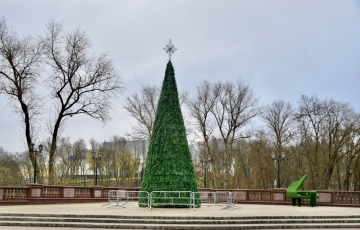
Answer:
(26, 168)
(340, 142)
(278, 116)
(263, 164)
(78, 161)
(119, 151)
(220, 111)
(80, 82)
(279, 119)
(328, 134)
(310, 115)
(356, 168)
(20, 68)
(200, 109)
(142, 106)
(10, 169)
(64, 161)
(235, 106)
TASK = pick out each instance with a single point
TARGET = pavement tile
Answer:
(244, 210)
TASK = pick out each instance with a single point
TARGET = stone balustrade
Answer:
(43, 194)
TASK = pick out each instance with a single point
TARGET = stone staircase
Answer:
(168, 222)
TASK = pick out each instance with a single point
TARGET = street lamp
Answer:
(205, 162)
(96, 159)
(278, 160)
(32, 145)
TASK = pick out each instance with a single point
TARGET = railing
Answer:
(83, 193)
(346, 198)
(51, 192)
(41, 194)
(260, 195)
(13, 194)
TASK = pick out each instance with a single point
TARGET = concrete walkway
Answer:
(246, 210)
(212, 211)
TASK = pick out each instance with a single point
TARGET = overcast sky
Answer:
(282, 49)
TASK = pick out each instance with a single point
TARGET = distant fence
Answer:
(42, 194)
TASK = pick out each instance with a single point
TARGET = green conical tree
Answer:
(169, 166)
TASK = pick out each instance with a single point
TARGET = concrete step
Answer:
(176, 221)
(172, 226)
(178, 217)
(152, 222)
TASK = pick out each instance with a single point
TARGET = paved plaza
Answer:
(134, 210)
(241, 210)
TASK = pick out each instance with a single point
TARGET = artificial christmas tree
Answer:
(169, 166)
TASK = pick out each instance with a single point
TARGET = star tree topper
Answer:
(170, 49)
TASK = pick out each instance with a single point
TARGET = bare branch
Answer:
(82, 82)
(21, 62)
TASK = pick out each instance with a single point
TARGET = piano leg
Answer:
(299, 201)
(293, 201)
(312, 200)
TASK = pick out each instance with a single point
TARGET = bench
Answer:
(295, 195)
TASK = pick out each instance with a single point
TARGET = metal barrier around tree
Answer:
(120, 198)
(170, 198)
(225, 199)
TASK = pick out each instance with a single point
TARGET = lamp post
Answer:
(278, 160)
(205, 162)
(32, 145)
(96, 159)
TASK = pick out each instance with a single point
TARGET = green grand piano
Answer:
(295, 195)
